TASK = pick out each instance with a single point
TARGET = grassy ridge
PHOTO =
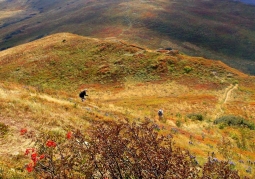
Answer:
(66, 61)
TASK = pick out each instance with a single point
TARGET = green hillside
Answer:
(66, 61)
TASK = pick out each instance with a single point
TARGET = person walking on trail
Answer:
(160, 113)
(83, 94)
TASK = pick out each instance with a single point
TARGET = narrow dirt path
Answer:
(229, 91)
(224, 99)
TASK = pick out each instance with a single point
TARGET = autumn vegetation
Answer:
(46, 131)
(119, 150)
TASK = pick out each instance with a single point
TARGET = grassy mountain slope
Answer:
(80, 60)
(40, 82)
(219, 29)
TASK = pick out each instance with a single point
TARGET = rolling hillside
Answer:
(222, 30)
(40, 82)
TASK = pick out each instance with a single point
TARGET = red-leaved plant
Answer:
(119, 150)
(23, 131)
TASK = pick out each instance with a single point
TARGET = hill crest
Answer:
(107, 55)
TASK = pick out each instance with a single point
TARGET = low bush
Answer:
(3, 129)
(118, 150)
(235, 121)
(187, 69)
(215, 168)
(198, 117)
(178, 123)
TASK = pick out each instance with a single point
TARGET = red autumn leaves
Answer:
(69, 135)
(34, 155)
(51, 143)
(30, 167)
(23, 131)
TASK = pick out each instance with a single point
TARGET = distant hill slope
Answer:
(216, 29)
(67, 61)
(248, 1)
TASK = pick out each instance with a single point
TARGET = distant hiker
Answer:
(160, 113)
(83, 94)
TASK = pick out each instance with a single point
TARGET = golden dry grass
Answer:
(36, 111)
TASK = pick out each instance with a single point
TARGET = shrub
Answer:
(187, 69)
(214, 168)
(221, 126)
(117, 150)
(196, 117)
(178, 123)
(3, 129)
(235, 82)
(234, 121)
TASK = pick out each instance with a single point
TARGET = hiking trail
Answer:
(224, 99)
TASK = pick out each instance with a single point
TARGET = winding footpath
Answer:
(225, 98)
(229, 91)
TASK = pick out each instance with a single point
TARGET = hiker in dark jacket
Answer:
(83, 94)
(160, 113)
